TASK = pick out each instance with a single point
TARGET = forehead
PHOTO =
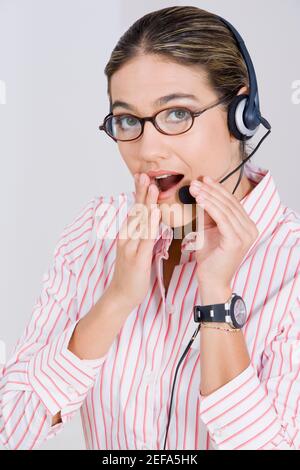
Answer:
(158, 77)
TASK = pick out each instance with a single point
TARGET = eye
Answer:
(178, 114)
(127, 121)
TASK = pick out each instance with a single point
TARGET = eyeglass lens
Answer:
(171, 121)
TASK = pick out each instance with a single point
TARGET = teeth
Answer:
(161, 176)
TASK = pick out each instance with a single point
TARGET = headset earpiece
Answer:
(236, 118)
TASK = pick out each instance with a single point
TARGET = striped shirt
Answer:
(124, 397)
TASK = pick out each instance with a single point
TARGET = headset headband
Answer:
(252, 114)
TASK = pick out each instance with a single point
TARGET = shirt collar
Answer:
(262, 204)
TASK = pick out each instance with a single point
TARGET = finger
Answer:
(229, 227)
(143, 231)
(150, 203)
(152, 195)
(131, 220)
(217, 187)
(142, 182)
(236, 219)
(147, 242)
(232, 204)
(138, 216)
(137, 226)
(150, 200)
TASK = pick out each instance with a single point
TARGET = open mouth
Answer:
(164, 183)
(167, 184)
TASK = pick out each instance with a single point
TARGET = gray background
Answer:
(53, 158)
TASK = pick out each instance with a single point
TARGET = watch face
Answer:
(239, 313)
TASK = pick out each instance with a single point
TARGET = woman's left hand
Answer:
(225, 244)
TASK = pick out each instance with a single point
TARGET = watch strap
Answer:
(213, 313)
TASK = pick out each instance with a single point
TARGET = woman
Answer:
(116, 312)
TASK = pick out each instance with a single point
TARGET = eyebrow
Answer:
(160, 101)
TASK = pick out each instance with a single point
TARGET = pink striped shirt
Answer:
(124, 397)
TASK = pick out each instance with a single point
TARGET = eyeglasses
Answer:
(169, 121)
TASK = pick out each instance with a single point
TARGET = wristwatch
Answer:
(233, 312)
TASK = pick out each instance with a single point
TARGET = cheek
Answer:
(207, 146)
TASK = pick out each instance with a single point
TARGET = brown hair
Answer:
(189, 36)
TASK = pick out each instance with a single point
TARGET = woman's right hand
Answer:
(135, 242)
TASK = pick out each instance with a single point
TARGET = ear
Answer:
(243, 90)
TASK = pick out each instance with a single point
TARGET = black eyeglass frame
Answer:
(152, 119)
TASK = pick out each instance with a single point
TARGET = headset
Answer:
(244, 115)
(244, 119)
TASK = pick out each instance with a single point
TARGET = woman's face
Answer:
(206, 149)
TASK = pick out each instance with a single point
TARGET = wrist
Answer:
(214, 294)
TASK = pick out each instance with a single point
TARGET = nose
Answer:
(152, 143)
(149, 128)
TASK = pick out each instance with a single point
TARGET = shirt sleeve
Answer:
(260, 411)
(43, 376)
